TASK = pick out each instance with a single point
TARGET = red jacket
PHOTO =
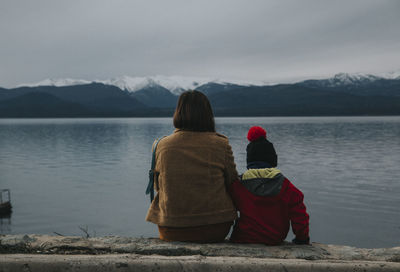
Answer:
(268, 203)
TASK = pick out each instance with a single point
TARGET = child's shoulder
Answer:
(263, 181)
(260, 173)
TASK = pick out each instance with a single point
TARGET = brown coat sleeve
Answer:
(156, 173)
(231, 174)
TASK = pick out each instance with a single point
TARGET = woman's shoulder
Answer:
(220, 138)
(221, 135)
(179, 135)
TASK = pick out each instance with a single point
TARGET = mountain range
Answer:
(342, 94)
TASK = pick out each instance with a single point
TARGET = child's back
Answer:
(267, 201)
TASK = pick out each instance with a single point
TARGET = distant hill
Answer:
(96, 98)
(38, 104)
(293, 100)
(156, 97)
(342, 94)
(365, 85)
(214, 88)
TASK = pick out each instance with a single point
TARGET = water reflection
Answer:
(5, 211)
(66, 173)
(5, 224)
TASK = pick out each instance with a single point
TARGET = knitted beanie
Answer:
(255, 133)
(260, 149)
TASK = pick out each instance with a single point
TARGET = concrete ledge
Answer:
(59, 253)
(135, 262)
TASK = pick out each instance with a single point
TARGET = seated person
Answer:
(266, 200)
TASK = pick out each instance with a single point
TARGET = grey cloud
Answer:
(264, 40)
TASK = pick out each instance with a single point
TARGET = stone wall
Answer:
(61, 253)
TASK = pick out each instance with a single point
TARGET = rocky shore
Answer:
(113, 253)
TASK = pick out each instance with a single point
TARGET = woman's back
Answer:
(193, 172)
(194, 169)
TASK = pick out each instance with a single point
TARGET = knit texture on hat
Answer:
(256, 133)
(262, 150)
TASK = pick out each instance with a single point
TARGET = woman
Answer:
(194, 168)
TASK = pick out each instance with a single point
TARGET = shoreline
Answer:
(114, 253)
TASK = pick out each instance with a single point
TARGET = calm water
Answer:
(92, 173)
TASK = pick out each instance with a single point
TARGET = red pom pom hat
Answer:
(256, 133)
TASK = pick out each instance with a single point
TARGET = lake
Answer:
(67, 174)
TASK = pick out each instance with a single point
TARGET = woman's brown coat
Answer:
(193, 170)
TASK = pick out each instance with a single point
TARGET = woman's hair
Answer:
(193, 112)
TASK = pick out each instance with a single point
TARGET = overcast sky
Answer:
(272, 41)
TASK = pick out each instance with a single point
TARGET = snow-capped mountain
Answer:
(391, 75)
(352, 79)
(60, 82)
(357, 84)
(342, 94)
(345, 81)
(175, 84)
(342, 80)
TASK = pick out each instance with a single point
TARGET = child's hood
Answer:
(263, 182)
(268, 173)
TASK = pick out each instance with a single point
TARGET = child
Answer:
(267, 201)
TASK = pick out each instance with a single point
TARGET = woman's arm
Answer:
(231, 174)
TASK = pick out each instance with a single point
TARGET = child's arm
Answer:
(298, 216)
